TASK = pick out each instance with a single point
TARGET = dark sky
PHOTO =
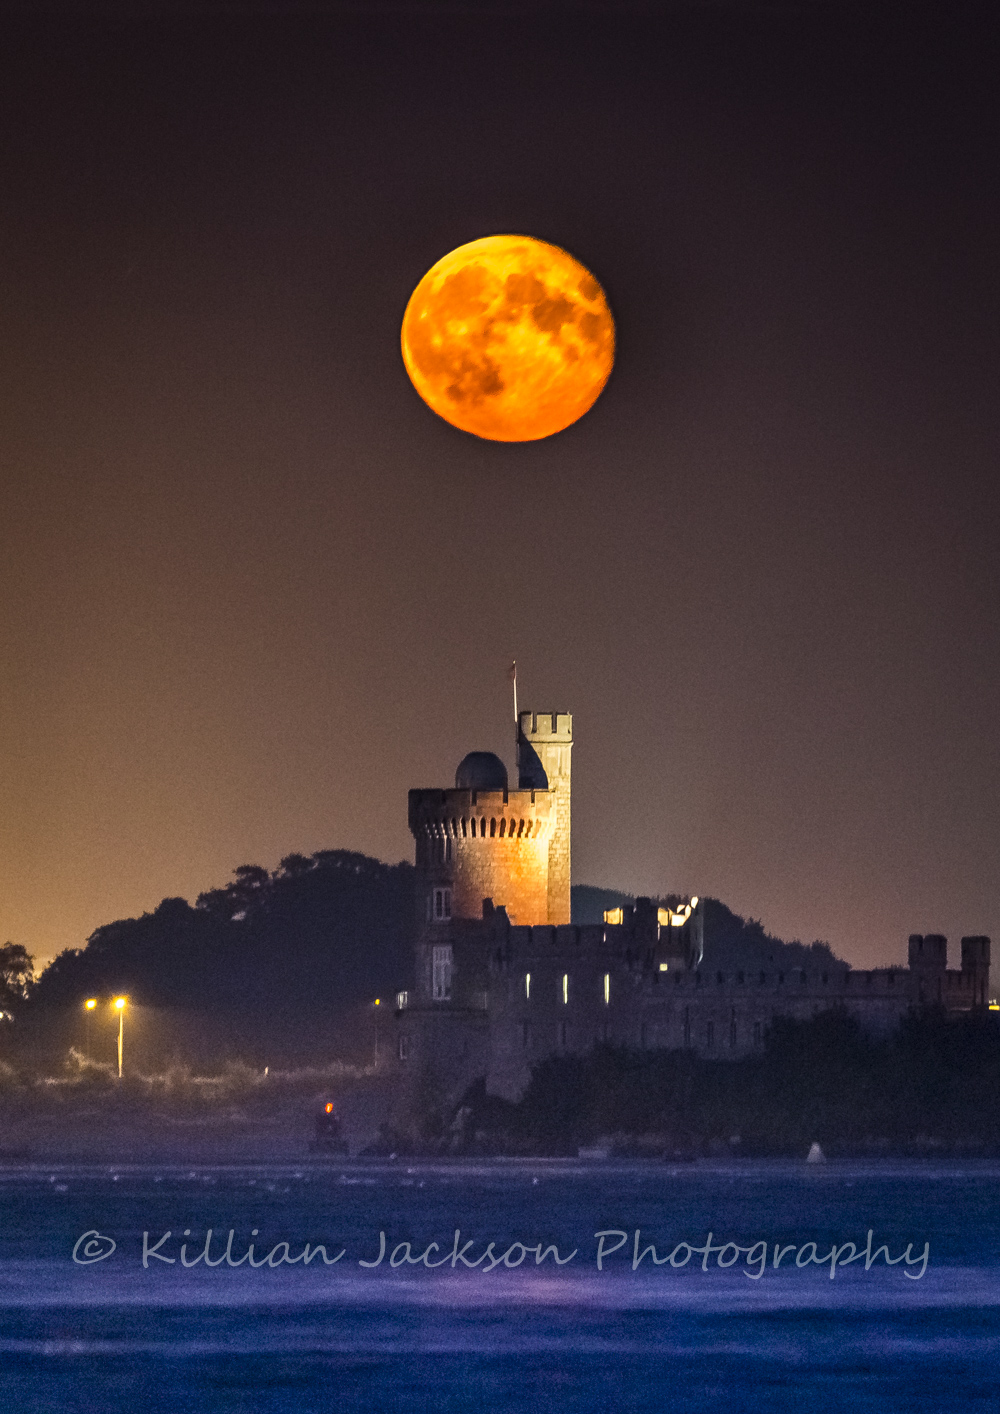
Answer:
(252, 589)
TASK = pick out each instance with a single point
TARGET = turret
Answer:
(544, 751)
(928, 954)
(976, 966)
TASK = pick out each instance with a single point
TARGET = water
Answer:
(112, 1335)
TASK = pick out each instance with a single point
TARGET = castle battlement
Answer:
(503, 979)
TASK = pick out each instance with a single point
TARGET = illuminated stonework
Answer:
(504, 980)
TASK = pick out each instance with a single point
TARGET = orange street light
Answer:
(120, 1009)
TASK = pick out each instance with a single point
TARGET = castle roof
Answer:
(481, 770)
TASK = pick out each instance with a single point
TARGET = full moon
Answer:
(508, 338)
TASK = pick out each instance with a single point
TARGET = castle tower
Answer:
(976, 967)
(928, 959)
(482, 841)
(544, 750)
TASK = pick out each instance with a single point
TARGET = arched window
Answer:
(503, 828)
(463, 827)
(493, 828)
(482, 828)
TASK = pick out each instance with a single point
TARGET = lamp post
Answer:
(120, 1009)
(88, 1008)
(375, 1016)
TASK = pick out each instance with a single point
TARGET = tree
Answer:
(17, 969)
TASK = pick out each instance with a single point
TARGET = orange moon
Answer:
(508, 338)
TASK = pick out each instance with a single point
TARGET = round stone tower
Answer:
(482, 841)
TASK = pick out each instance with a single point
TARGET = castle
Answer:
(504, 979)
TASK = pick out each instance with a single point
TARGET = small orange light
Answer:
(90, 1003)
(329, 1109)
(378, 1001)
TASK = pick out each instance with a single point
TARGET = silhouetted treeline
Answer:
(274, 963)
(276, 966)
(933, 1086)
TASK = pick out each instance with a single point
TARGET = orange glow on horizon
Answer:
(508, 338)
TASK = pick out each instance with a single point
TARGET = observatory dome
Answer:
(481, 770)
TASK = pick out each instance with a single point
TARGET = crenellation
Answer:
(504, 978)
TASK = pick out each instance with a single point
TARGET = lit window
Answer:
(614, 916)
(442, 905)
(565, 988)
(607, 988)
(527, 986)
(664, 966)
(441, 972)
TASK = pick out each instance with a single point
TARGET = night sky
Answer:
(252, 589)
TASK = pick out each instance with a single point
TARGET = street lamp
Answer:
(120, 1009)
(89, 1005)
(375, 1015)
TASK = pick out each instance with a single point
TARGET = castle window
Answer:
(463, 827)
(404, 1048)
(527, 986)
(503, 828)
(565, 988)
(442, 905)
(482, 828)
(441, 972)
(493, 829)
(607, 988)
(710, 1035)
(756, 1033)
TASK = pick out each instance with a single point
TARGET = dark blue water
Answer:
(113, 1335)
